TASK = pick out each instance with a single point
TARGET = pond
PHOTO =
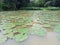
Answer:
(30, 27)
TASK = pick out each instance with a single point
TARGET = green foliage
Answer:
(37, 3)
(48, 3)
(1, 6)
(53, 8)
(19, 4)
(30, 8)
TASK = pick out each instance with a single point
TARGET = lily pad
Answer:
(57, 28)
(23, 34)
(36, 29)
(7, 25)
(41, 32)
(21, 37)
(3, 39)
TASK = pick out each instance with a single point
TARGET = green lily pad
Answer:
(46, 25)
(10, 35)
(23, 34)
(57, 28)
(36, 29)
(21, 37)
(19, 23)
(23, 30)
(7, 25)
(41, 32)
(3, 39)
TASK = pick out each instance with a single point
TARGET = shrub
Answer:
(53, 8)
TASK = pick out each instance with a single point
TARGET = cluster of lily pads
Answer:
(19, 28)
(10, 29)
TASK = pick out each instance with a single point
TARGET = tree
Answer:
(15, 4)
(56, 3)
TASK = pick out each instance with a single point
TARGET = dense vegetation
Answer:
(17, 4)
